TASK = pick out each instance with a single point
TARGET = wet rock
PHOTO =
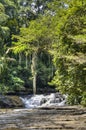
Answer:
(52, 118)
(10, 101)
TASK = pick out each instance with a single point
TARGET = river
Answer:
(44, 112)
(50, 118)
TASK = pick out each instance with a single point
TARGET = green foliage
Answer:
(45, 27)
(35, 37)
(3, 88)
(70, 53)
(3, 64)
(9, 80)
(2, 9)
(83, 102)
(16, 83)
(44, 74)
(3, 18)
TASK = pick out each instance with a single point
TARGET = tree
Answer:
(18, 14)
(33, 40)
(7, 78)
(69, 52)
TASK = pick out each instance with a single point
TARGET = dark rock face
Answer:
(10, 102)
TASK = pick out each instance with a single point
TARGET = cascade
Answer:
(35, 101)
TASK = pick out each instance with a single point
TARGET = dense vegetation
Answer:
(42, 43)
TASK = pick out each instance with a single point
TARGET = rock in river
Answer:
(10, 102)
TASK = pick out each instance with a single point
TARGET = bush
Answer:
(83, 102)
(3, 88)
(73, 99)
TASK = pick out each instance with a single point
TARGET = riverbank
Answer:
(49, 118)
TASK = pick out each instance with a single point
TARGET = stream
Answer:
(36, 101)
(44, 112)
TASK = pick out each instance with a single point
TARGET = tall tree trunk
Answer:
(20, 58)
(52, 71)
(34, 71)
(26, 61)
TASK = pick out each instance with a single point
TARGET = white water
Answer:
(36, 101)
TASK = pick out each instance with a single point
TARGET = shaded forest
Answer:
(43, 44)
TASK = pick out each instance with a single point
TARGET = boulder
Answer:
(10, 102)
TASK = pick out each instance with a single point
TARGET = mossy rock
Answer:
(10, 102)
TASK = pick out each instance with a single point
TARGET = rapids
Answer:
(35, 101)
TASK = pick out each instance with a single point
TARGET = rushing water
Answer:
(35, 101)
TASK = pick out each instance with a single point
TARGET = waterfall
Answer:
(35, 101)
